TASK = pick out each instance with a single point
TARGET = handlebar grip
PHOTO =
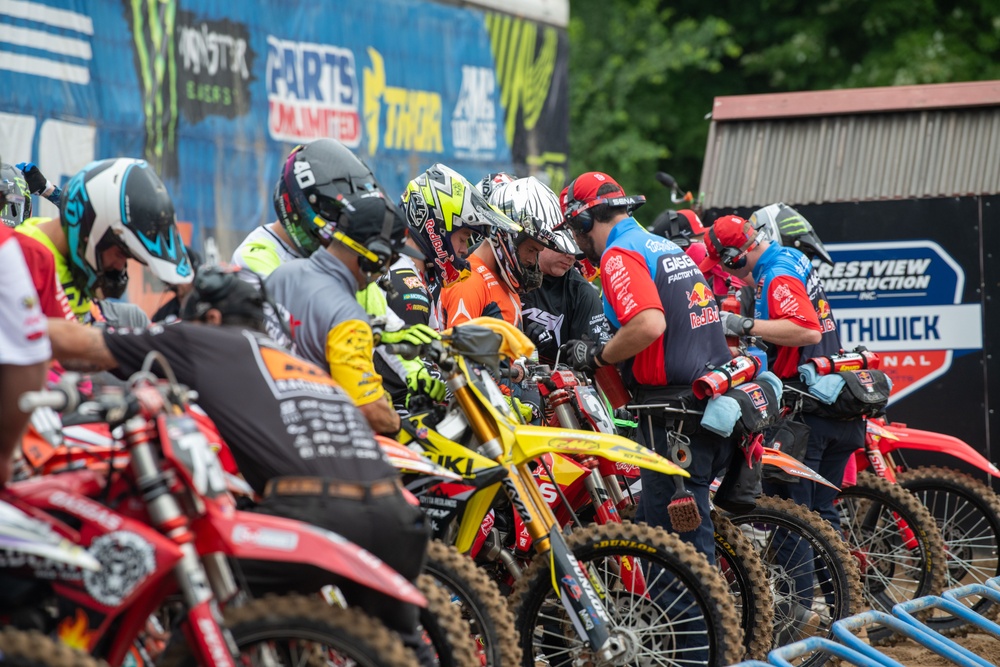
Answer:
(31, 400)
(405, 350)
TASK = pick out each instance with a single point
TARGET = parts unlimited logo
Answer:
(904, 301)
(312, 92)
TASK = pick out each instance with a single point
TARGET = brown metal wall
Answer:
(853, 158)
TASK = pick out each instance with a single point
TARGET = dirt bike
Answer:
(894, 539)
(573, 603)
(27, 544)
(966, 510)
(164, 535)
(49, 449)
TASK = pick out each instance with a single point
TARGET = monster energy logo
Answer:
(153, 23)
(528, 58)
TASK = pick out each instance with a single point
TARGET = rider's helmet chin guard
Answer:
(307, 195)
(533, 206)
(15, 198)
(120, 202)
(435, 205)
(783, 225)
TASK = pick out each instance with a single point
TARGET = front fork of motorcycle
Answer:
(166, 515)
(583, 605)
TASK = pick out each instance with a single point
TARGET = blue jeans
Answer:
(710, 457)
(831, 444)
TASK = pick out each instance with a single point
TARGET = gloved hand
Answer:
(735, 325)
(543, 338)
(422, 382)
(581, 355)
(492, 310)
(418, 334)
(37, 183)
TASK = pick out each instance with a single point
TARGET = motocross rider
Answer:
(295, 435)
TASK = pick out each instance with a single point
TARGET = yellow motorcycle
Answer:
(613, 594)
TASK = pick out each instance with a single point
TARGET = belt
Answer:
(318, 486)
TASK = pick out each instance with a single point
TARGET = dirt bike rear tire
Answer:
(30, 648)
(931, 569)
(844, 578)
(746, 575)
(487, 616)
(276, 618)
(594, 541)
(944, 492)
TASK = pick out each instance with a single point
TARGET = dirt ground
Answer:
(912, 654)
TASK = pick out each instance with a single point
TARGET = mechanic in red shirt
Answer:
(668, 331)
(792, 314)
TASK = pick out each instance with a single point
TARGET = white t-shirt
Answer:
(24, 337)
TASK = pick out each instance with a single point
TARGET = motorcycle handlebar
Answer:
(406, 350)
(57, 399)
(666, 180)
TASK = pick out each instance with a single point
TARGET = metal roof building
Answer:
(861, 144)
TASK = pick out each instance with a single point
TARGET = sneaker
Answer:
(792, 622)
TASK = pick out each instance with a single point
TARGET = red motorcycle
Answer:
(965, 510)
(164, 532)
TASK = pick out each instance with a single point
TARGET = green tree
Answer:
(644, 75)
(628, 60)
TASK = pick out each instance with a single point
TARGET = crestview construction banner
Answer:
(215, 93)
(902, 299)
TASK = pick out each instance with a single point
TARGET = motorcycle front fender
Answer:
(928, 441)
(253, 536)
(530, 442)
(794, 467)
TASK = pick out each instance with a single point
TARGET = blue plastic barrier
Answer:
(906, 611)
(844, 631)
(752, 663)
(982, 590)
(784, 655)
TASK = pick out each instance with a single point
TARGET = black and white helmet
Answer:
(532, 205)
(121, 202)
(783, 225)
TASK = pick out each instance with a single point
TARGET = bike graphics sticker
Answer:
(902, 300)
(126, 560)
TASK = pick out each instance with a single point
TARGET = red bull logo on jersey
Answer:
(700, 296)
(312, 92)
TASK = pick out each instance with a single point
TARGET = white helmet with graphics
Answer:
(531, 204)
(120, 202)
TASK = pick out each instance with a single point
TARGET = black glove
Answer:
(543, 338)
(33, 177)
(492, 310)
(581, 355)
(735, 325)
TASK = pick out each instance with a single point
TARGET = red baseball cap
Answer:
(731, 238)
(581, 194)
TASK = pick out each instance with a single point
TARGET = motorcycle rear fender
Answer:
(928, 441)
(406, 461)
(253, 536)
(794, 467)
(530, 442)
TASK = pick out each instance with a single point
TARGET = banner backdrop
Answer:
(215, 93)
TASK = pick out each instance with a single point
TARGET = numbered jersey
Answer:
(280, 415)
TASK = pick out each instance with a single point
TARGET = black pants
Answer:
(387, 526)
(831, 444)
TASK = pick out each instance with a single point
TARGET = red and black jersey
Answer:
(642, 271)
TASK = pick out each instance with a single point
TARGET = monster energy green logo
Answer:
(152, 24)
